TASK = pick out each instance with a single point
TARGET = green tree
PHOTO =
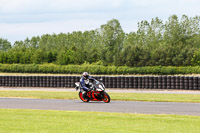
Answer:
(4, 44)
(112, 39)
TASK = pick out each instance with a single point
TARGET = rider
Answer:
(84, 81)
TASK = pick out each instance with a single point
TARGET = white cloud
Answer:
(38, 6)
(21, 31)
(26, 18)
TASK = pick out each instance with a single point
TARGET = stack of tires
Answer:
(136, 82)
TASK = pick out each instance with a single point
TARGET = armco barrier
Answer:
(136, 82)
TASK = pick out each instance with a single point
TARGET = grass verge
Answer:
(193, 98)
(43, 121)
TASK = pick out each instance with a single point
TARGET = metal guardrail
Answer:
(137, 82)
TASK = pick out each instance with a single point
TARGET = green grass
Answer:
(192, 98)
(43, 121)
(114, 96)
(40, 94)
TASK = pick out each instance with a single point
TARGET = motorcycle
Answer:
(97, 92)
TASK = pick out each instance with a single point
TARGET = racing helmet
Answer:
(85, 75)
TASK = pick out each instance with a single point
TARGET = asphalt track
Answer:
(113, 106)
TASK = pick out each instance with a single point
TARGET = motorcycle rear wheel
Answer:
(83, 99)
(106, 97)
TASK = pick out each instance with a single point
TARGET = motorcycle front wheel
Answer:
(106, 97)
(82, 98)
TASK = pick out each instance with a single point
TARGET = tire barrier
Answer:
(118, 82)
(140, 82)
(136, 82)
(159, 82)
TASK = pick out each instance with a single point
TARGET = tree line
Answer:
(175, 42)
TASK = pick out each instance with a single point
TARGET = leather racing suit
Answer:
(85, 83)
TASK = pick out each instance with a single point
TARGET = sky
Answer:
(20, 19)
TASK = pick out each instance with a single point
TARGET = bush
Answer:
(97, 69)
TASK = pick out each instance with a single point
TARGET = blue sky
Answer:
(20, 19)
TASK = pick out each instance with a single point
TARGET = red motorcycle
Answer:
(97, 92)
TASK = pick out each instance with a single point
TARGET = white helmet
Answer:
(85, 75)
